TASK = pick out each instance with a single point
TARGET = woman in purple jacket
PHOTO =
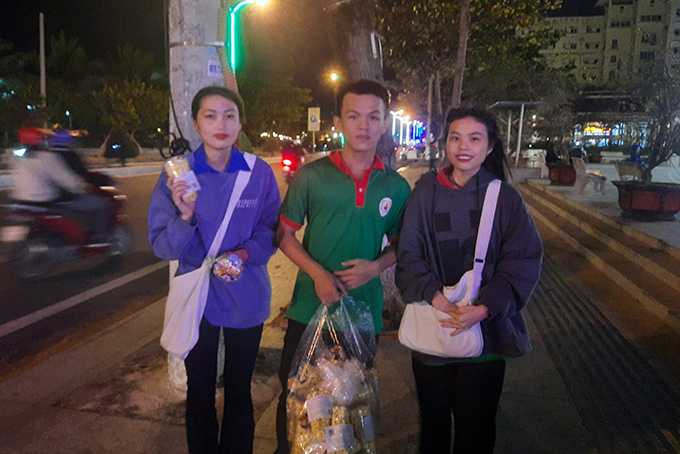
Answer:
(436, 248)
(184, 231)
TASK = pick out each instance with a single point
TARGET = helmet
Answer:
(61, 139)
(30, 136)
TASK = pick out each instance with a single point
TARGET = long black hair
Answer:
(495, 161)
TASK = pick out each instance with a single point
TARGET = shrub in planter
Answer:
(121, 146)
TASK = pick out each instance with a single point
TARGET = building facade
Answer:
(628, 35)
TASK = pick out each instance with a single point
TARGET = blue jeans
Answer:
(238, 423)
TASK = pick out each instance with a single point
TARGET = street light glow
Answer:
(335, 76)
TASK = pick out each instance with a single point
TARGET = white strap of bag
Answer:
(242, 180)
(485, 227)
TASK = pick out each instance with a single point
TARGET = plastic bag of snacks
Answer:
(332, 402)
(228, 267)
(179, 167)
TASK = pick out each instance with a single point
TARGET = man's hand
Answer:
(179, 188)
(359, 272)
(464, 317)
(328, 287)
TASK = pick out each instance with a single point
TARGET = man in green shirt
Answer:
(349, 201)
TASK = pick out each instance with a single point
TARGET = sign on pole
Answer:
(314, 119)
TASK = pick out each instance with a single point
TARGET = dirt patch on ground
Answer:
(140, 388)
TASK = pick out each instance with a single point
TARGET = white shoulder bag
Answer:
(189, 292)
(420, 329)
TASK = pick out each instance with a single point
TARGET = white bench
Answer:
(607, 157)
(583, 177)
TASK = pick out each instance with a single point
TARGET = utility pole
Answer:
(463, 29)
(194, 42)
(43, 79)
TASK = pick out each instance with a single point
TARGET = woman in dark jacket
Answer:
(436, 248)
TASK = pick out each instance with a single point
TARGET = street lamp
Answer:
(335, 77)
(68, 114)
(232, 27)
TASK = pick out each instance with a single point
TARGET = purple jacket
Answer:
(246, 302)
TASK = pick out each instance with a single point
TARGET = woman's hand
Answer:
(179, 188)
(241, 253)
(441, 303)
(464, 317)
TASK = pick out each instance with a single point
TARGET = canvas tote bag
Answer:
(188, 292)
(420, 329)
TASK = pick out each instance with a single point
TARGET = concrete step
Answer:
(645, 267)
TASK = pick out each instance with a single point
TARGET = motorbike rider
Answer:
(42, 177)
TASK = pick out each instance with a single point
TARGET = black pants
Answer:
(290, 343)
(471, 392)
(238, 424)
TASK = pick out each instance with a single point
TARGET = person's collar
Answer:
(236, 162)
(443, 177)
(336, 158)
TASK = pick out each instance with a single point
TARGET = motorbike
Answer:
(39, 240)
(292, 158)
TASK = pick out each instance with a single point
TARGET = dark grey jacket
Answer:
(437, 247)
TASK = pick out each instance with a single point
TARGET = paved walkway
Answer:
(110, 394)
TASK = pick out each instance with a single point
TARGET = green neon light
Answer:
(232, 30)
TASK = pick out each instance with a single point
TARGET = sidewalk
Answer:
(110, 394)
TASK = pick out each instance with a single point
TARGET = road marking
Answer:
(26, 320)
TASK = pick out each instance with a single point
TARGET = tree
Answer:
(422, 39)
(133, 64)
(273, 104)
(356, 49)
(131, 106)
(660, 88)
(66, 61)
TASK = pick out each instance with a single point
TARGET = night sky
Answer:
(289, 39)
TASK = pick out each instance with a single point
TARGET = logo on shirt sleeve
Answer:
(385, 205)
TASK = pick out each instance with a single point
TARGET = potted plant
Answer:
(555, 122)
(561, 172)
(644, 199)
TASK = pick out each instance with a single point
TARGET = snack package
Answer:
(332, 404)
(179, 167)
(228, 267)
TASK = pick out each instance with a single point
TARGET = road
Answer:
(46, 317)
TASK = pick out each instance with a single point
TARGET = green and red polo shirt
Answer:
(346, 219)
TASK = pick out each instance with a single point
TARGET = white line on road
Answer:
(16, 325)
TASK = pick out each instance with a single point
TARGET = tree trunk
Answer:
(462, 51)
(357, 52)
